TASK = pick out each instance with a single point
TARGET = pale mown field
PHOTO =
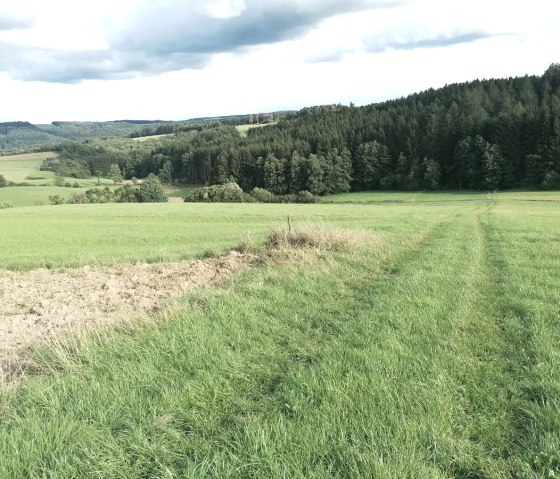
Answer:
(17, 168)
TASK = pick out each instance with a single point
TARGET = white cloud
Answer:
(139, 55)
(226, 8)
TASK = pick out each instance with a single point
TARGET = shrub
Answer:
(58, 180)
(551, 181)
(289, 198)
(126, 194)
(77, 199)
(75, 184)
(152, 191)
(263, 196)
(306, 197)
(3, 181)
(56, 199)
(99, 195)
(232, 193)
(4, 205)
(226, 193)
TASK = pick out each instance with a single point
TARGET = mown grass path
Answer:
(436, 357)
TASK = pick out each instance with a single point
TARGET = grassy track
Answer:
(432, 356)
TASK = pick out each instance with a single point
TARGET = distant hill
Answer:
(14, 135)
(22, 134)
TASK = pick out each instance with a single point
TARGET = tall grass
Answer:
(318, 236)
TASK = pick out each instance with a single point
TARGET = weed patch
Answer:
(319, 237)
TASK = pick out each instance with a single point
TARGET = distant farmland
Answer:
(18, 168)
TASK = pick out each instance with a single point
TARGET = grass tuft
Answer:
(321, 237)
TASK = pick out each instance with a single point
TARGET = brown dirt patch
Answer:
(39, 305)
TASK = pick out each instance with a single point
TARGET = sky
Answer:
(180, 59)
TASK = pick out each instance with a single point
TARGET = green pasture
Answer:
(433, 353)
(33, 195)
(243, 129)
(91, 182)
(39, 178)
(17, 168)
(70, 235)
(437, 196)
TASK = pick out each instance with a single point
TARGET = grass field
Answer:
(33, 195)
(432, 354)
(17, 168)
(243, 129)
(151, 137)
(178, 192)
(71, 235)
(432, 196)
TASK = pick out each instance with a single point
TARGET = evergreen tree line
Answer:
(483, 135)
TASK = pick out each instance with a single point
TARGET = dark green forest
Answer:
(483, 135)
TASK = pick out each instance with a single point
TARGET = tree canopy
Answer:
(484, 134)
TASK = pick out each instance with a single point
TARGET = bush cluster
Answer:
(226, 193)
(232, 193)
(551, 181)
(150, 191)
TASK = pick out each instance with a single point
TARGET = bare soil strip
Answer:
(40, 305)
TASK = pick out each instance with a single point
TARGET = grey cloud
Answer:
(386, 41)
(174, 29)
(72, 67)
(173, 35)
(443, 41)
(10, 22)
(381, 44)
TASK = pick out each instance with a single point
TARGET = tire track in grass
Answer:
(535, 437)
(419, 375)
(369, 403)
(491, 349)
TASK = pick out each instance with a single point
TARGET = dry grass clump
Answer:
(320, 237)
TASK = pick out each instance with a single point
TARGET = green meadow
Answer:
(72, 235)
(243, 129)
(32, 195)
(39, 195)
(431, 352)
(18, 168)
(433, 196)
(38, 185)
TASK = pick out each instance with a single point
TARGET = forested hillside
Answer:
(22, 134)
(485, 135)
